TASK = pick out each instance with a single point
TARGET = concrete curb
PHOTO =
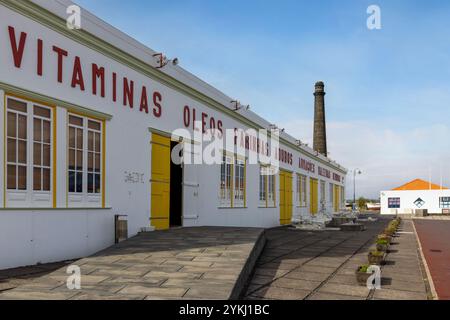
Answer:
(247, 270)
(425, 265)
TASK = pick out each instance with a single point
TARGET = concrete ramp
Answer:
(185, 263)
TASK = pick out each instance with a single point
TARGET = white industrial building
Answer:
(87, 118)
(416, 195)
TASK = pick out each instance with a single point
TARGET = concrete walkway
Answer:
(321, 266)
(12, 278)
(187, 263)
(403, 277)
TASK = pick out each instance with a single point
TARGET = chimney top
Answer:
(319, 87)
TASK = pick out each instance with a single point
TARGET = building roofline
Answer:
(105, 34)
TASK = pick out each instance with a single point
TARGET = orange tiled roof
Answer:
(419, 184)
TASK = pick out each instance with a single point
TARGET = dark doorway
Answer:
(176, 192)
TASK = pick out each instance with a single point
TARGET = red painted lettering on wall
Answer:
(186, 116)
(77, 75)
(284, 156)
(128, 92)
(98, 73)
(306, 165)
(61, 54)
(189, 118)
(324, 172)
(219, 127)
(39, 57)
(144, 100)
(157, 99)
(204, 117)
(336, 177)
(114, 85)
(17, 51)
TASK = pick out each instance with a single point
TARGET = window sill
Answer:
(264, 207)
(53, 209)
(232, 207)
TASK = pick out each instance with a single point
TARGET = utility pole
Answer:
(355, 171)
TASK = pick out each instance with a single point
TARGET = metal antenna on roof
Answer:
(161, 60)
(236, 104)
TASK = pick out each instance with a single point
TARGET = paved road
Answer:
(434, 237)
(321, 266)
(187, 263)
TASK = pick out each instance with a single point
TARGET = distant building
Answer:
(417, 194)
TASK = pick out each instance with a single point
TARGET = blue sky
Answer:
(388, 97)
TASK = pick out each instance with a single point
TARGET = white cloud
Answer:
(388, 157)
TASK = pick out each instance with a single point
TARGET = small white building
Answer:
(417, 194)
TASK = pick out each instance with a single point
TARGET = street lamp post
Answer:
(355, 172)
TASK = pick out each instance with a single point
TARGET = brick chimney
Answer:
(320, 131)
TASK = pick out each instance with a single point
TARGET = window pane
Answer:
(71, 181)
(12, 118)
(72, 159)
(37, 134)
(79, 181)
(11, 150)
(42, 112)
(11, 177)
(22, 182)
(79, 139)
(47, 132)
(97, 184)
(37, 179)
(97, 163)
(22, 152)
(37, 154)
(46, 179)
(90, 161)
(90, 141)
(72, 137)
(94, 125)
(90, 183)
(97, 142)
(79, 160)
(17, 105)
(76, 121)
(46, 155)
(22, 127)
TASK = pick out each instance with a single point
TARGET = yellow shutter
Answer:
(313, 195)
(336, 198)
(160, 198)
(288, 197)
(285, 197)
(282, 198)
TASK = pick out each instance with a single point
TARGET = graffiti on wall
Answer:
(134, 177)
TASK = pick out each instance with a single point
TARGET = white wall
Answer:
(28, 237)
(407, 199)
